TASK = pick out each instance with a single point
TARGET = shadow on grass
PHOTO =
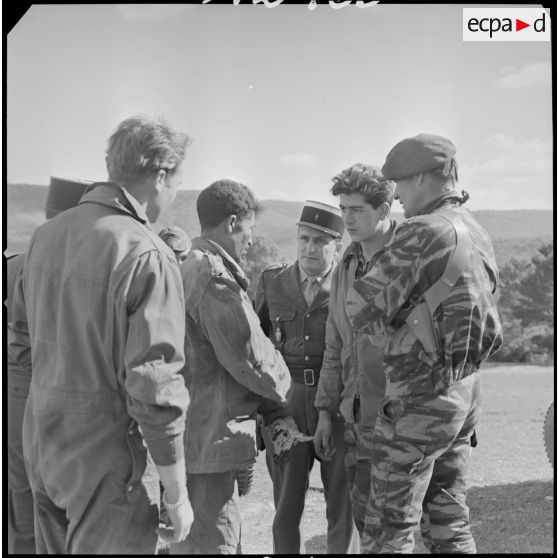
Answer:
(510, 518)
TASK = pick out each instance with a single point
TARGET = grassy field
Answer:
(512, 491)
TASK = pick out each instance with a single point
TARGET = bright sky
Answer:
(280, 98)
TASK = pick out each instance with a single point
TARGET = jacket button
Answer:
(307, 315)
(130, 488)
(306, 337)
(306, 357)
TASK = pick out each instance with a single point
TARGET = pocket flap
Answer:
(283, 315)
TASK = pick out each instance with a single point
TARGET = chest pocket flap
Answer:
(282, 325)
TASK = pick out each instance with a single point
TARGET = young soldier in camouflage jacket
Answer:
(421, 440)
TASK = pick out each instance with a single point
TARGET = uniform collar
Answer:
(111, 194)
(319, 278)
(448, 198)
(215, 248)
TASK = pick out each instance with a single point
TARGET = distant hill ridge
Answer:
(522, 230)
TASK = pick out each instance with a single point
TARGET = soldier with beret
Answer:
(62, 194)
(292, 303)
(428, 304)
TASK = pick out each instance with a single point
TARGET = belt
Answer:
(307, 376)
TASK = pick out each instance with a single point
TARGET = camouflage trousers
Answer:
(420, 454)
(358, 455)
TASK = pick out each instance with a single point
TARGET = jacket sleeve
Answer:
(154, 355)
(269, 409)
(19, 346)
(375, 299)
(233, 328)
(330, 384)
(260, 305)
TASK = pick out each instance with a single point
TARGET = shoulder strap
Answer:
(455, 267)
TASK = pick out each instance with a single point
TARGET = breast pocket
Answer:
(283, 327)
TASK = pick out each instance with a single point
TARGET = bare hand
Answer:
(323, 438)
(181, 520)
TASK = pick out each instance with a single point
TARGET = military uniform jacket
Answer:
(467, 321)
(232, 369)
(296, 330)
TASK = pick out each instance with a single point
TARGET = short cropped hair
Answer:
(224, 198)
(367, 180)
(446, 174)
(140, 146)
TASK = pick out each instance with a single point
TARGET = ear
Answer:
(338, 247)
(231, 222)
(419, 179)
(384, 210)
(160, 180)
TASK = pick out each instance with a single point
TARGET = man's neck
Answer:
(377, 242)
(214, 236)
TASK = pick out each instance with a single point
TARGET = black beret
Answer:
(421, 153)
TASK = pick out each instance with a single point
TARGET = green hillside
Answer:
(515, 233)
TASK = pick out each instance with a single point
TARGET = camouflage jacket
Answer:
(467, 321)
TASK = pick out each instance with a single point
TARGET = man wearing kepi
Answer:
(428, 302)
(352, 370)
(62, 194)
(292, 303)
(231, 371)
(99, 312)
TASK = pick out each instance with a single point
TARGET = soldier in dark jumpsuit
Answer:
(292, 303)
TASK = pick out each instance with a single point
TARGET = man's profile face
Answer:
(242, 236)
(315, 250)
(163, 197)
(361, 220)
(409, 196)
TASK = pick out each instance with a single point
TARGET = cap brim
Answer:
(335, 234)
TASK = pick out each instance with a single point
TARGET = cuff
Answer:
(165, 451)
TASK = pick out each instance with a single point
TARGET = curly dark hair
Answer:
(367, 180)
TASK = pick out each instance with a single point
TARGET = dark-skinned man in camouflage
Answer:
(428, 303)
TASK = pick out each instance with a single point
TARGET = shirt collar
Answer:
(319, 278)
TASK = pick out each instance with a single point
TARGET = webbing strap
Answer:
(455, 267)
